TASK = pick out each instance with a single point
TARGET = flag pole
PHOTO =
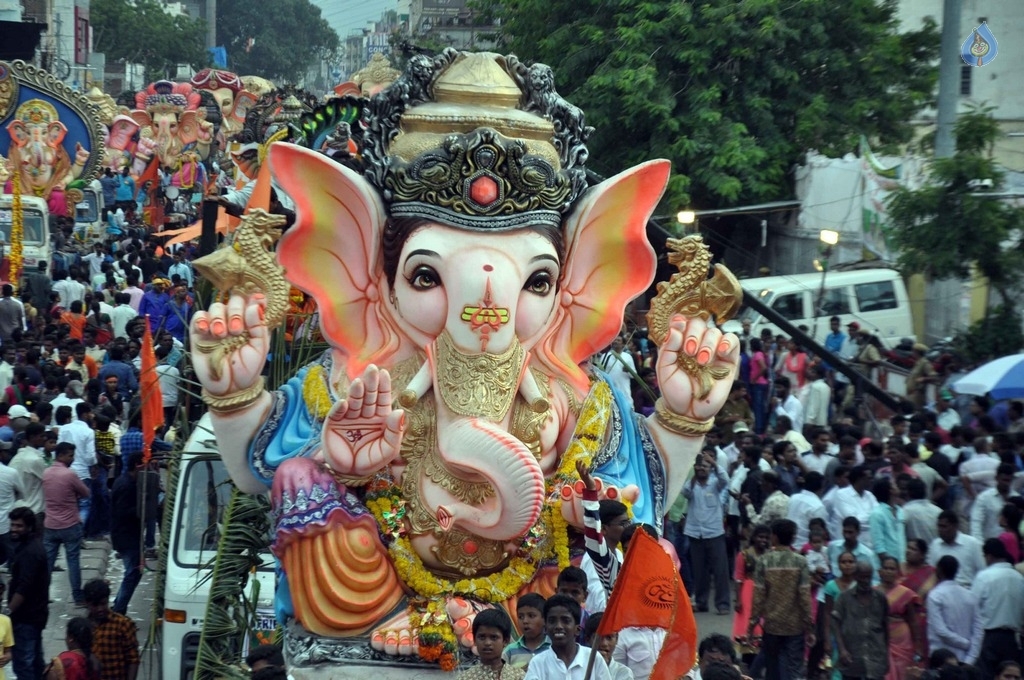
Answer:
(590, 663)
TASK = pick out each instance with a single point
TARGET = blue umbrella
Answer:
(1002, 378)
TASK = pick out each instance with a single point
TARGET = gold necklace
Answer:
(478, 385)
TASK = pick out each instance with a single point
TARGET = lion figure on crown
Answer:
(425, 466)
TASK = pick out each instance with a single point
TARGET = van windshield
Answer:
(33, 226)
(86, 210)
(207, 490)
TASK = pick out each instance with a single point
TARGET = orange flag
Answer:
(152, 398)
(648, 593)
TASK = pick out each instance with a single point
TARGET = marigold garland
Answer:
(17, 230)
(315, 393)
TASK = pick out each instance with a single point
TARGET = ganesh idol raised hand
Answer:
(425, 466)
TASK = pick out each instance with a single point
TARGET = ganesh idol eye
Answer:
(540, 283)
(424, 278)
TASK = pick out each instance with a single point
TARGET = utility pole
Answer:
(949, 79)
(211, 24)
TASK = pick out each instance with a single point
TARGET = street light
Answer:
(686, 217)
(829, 238)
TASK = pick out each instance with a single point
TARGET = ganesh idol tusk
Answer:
(417, 387)
(530, 391)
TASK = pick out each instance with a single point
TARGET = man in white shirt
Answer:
(30, 463)
(989, 504)
(169, 377)
(817, 397)
(818, 457)
(785, 404)
(966, 549)
(72, 397)
(954, 620)
(619, 366)
(566, 658)
(7, 366)
(784, 427)
(1000, 592)
(948, 417)
(10, 491)
(978, 473)
(69, 290)
(920, 514)
(121, 314)
(806, 505)
(95, 260)
(856, 501)
(80, 433)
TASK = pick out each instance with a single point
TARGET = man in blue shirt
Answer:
(116, 366)
(125, 192)
(705, 530)
(109, 184)
(834, 340)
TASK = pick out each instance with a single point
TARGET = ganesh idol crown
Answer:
(426, 466)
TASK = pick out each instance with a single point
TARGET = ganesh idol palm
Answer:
(425, 466)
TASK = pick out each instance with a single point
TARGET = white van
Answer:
(35, 228)
(89, 224)
(203, 492)
(874, 298)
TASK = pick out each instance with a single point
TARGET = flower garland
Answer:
(17, 230)
(436, 638)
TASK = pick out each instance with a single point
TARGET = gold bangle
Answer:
(673, 422)
(236, 401)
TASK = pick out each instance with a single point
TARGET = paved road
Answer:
(98, 561)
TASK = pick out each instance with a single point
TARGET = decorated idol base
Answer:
(311, 657)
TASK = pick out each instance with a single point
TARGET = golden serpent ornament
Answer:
(246, 266)
(692, 294)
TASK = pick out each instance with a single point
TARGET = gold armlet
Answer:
(673, 422)
(236, 401)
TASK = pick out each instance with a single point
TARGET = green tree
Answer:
(733, 93)
(949, 228)
(279, 41)
(140, 31)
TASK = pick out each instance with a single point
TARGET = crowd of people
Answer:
(847, 547)
(71, 441)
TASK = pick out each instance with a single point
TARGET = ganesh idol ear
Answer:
(608, 263)
(333, 251)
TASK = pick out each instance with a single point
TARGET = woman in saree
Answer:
(743, 582)
(827, 600)
(919, 576)
(905, 647)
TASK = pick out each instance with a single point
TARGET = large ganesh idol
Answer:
(232, 99)
(178, 136)
(425, 466)
(50, 134)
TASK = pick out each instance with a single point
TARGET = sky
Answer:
(348, 15)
